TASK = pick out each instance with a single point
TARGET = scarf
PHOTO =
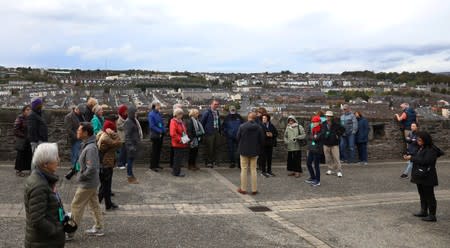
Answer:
(199, 131)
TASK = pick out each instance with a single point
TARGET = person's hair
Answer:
(154, 103)
(177, 111)
(25, 107)
(417, 124)
(177, 105)
(262, 110)
(426, 138)
(87, 127)
(267, 115)
(320, 113)
(214, 100)
(91, 102)
(251, 116)
(359, 113)
(45, 153)
(193, 112)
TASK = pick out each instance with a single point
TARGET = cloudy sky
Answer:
(225, 36)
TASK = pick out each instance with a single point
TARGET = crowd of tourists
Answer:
(99, 143)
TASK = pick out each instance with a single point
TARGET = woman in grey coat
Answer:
(133, 136)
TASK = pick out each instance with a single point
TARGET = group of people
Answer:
(99, 143)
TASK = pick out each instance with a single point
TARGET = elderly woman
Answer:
(293, 133)
(98, 120)
(195, 132)
(180, 141)
(23, 147)
(43, 206)
(424, 175)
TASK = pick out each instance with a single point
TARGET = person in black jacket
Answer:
(37, 128)
(250, 136)
(270, 134)
(331, 133)
(23, 147)
(195, 132)
(424, 175)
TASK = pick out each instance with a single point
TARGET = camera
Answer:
(69, 225)
(70, 174)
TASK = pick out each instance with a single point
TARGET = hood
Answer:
(131, 112)
(123, 111)
(91, 139)
(293, 118)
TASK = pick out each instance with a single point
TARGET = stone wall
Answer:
(385, 138)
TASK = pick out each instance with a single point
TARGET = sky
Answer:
(323, 36)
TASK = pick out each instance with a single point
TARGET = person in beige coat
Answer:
(293, 134)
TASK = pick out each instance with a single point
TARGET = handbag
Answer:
(301, 142)
(422, 171)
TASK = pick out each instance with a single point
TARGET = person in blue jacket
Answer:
(362, 137)
(157, 131)
(230, 128)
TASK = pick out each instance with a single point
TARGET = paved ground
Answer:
(370, 207)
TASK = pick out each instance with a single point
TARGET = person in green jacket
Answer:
(292, 135)
(43, 206)
(98, 120)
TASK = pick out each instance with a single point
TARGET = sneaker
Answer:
(404, 176)
(271, 174)
(339, 174)
(315, 184)
(363, 163)
(309, 180)
(70, 236)
(122, 167)
(209, 166)
(265, 175)
(95, 232)
(329, 172)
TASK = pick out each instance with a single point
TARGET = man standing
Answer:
(88, 178)
(211, 123)
(250, 138)
(71, 123)
(230, 127)
(331, 132)
(350, 124)
(407, 118)
(157, 130)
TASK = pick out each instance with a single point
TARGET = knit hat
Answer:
(315, 119)
(109, 124)
(123, 111)
(36, 104)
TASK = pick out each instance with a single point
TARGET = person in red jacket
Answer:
(180, 141)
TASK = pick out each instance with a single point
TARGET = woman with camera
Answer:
(46, 221)
(293, 135)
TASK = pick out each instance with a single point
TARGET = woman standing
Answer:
(270, 140)
(180, 141)
(315, 152)
(43, 206)
(98, 120)
(36, 126)
(195, 132)
(23, 147)
(123, 115)
(292, 135)
(362, 137)
(157, 130)
(411, 148)
(133, 137)
(424, 175)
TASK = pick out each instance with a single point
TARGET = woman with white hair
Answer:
(157, 131)
(180, 141)
(195, 132)
(43, 206)
(98, 120)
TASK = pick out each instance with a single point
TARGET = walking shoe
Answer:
(309, 180)
(95, 232)
(404, 176)
(291, 174)
(421, 214)
(180, 175)
(315, 184)
(132, 180)
(232, 166)
(112, 207)
(430, 218)
(363, 163)
(241, 191)
(154, 169)
(265, 175)
(70, 236)
(329, 172)
(271, 174)
(122, 167)
(339, 174)
(255, 192)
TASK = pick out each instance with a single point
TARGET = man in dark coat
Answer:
(230, 128)
(71, 123)
(211, 123)
(37, 128)
(250, 138)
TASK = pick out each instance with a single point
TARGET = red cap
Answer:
(122, 111)
(316, 119)
(109, 124)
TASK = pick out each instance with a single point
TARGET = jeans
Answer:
(245, 163)
(408, 168)
(75, 152)
(130, 162)
(347, 148)
(232, 149)
(156, 152)
(179, 157)
(314, 172)
(362, 151)
(123, 156)
(106, 175)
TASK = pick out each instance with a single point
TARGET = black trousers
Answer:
(105, 186)
(265, 159)
(156, 152)
(179, 157)
(193, 152)
(294, 161)
(427, 198)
